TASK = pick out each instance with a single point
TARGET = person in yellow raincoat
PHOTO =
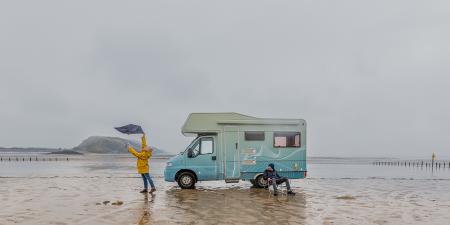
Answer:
(142, 163)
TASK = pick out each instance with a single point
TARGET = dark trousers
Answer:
(146, 177)
(280, 181)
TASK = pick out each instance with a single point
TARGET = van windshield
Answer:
(191, 144)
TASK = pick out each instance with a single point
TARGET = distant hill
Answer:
(94, 144)
(110, 145)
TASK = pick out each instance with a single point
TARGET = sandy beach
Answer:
(104, 191)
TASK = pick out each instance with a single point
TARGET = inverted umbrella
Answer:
(130, 129)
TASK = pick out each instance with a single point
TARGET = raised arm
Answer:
(144, 141)
(140, 155)
(132, 151)
(144, 146)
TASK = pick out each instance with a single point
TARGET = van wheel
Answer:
(186, 180)
(260, 182)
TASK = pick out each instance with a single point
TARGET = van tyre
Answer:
(260, 182)
(186, 180)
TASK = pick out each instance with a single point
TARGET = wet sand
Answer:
(81, 197)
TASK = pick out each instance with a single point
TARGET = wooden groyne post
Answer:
(30, 159)
(415, 163)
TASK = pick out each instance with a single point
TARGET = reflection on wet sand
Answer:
(144, 218)
(235, 205)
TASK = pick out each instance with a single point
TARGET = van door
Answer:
(231, 152)
(202, 159)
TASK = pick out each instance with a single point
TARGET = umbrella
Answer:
(130, 129)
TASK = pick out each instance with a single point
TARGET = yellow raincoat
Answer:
(142, 157)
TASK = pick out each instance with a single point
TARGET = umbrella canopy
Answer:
(130, 129)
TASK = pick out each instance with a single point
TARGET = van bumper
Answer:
(169, 174)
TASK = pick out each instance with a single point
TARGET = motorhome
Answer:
(234, 147)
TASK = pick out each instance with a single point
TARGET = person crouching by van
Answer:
(142, 163)
(271, 175)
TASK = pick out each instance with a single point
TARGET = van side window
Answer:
(254, 136)
(286, 139)
(207, 145)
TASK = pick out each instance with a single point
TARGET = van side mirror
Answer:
(190, 153)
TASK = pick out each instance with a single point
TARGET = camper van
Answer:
(234, 147)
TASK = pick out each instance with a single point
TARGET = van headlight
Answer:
(169, 164)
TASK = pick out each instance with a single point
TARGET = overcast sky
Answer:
(371, 78)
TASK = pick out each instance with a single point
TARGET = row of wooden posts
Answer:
(29, 159)
(434, 164)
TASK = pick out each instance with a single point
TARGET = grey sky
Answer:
(370, 77)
